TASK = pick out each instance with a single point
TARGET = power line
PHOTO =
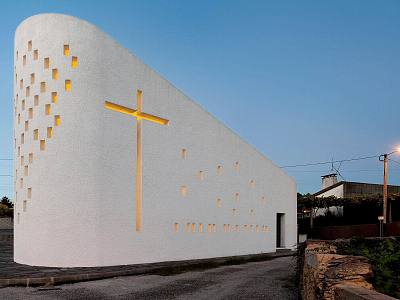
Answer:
(329, 162)
(6, 159)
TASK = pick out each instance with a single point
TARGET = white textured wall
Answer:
(82, 208)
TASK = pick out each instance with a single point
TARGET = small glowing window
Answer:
(184, 190)
(36, 100)
(219, 170)
(30, 114)
(67, 85)
(35, 54)
(43, 87)
(36, 134)
(54, 97)
(29, 193)
(26, 171)
(219, 202)
(176, 227)
(47, 109)
(27, 91)
(22, 138)
(32, 78)
(22, 160)
(49, 132)
(66, 50)
(30, 46)
(30, 158)
(193, 227)
(74, 63)
(237, 165)
(24, 60)
(24, 206)
(26, 125)
(57, 120)
(23, 104)
(200, 227)
(46, 63)
(21, 84)
(55, 74)
(184, 153)
(42, 145)
(201, 175)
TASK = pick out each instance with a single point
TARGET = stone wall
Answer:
(324, 270)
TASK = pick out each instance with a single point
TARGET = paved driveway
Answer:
(272, 279)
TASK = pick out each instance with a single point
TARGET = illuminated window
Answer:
(219, 202)
(30, 46)
(22, 160)
(24, 60)
(66, 50)
(27, 91)
(55, 74)
(54, 97)
(36, 100)
(67, 85)
(22, 138)
(219, 170)
(32, 78)
(200, 227)
(237, 165)
(30, 114)
(42, 145)
(43, 87)
(74, 63)
(201, 175)
(26, 171)
(21, 84)
(184, 153)
(49, 132)
(184, 190)
(46, 63)
(35, 54)
(57, 120)
(30, 158)
(193, 227)
(237, 196)
(176, 227)
(47, 109)
(26, 125)
(29, 193)
(24, 206)
(23, 104)
(252, 183)
(36, 134)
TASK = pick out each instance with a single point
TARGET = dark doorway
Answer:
(280, 230)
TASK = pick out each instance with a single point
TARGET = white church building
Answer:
(114, 165)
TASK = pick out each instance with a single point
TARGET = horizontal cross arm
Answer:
(151, 118)
(119, 108)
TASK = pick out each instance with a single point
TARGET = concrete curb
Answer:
(152, 268)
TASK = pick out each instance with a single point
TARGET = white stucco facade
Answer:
(75, 161)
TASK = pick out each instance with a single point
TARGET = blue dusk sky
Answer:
(302, 81)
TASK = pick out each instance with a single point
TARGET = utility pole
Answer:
(385, 201)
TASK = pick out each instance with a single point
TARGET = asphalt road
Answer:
(272, 279)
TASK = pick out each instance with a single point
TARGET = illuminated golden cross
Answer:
(139, 115)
